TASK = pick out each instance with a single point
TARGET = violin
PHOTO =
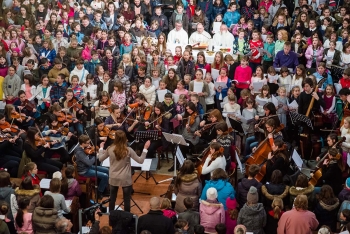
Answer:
(5, 137)
(107, 105)
(14, 128)
(16, 115)
(75, 105)
(62, 129)
(65, 117)
(42, 141)
(28, 105)
(106, 132)
(90, 149)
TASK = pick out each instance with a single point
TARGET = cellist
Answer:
(277, 159)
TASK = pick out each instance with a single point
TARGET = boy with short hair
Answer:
(58, 89)
(124, 79)
(169, 105)
(80, 71)
(181, 15)
(45, 67)
(269, 46)
(76, 29)
(187, 80)
(57, 69)
(97, 21)
(161, 18)
(195, 99)
(91, 65)
(345, 80)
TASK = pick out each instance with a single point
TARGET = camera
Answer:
(90, 212)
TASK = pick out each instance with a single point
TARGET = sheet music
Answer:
(145, 166)
(261, 102)
(293, 105)
(85, 230)
(297, 159)
(274, 100)
(45, 183)
(214, 73)
(179, 156)
(160, 94)
(220, 84)
(198, 87)
(262, 51)
(175, 97)
(272, 79)
(175, 138)
(204, 71)
(239, 162)
(337, 87)
(257, 86)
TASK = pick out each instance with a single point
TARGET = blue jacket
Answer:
(101, 24)
(207, 7)
(224, 188)
(91, 65)
(328, 80)
(217, 10)
(49, 54)
(224, 91)
(246, 48)
(231, 18)
(271, 49)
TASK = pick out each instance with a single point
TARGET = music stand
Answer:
(146, 135)
(236, 125)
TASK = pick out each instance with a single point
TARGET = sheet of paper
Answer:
(198, 87)
(272, 79)
(68, 203)
(220, 84)
(297, 159)
(179, 156)
(214, 73)
(160, 94)
(45, 183)
(145, 166)
(85, 229)
(344, 232)
(293, 105)
(274, 100)
(257, 86)
(216, 27)
(261, 102)
(337, 87)
(204, 72)
(263, 51)
(175, 97)
(239, 162)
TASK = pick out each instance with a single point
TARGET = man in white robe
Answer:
(200, 36)
(178, 35)
(223, 38)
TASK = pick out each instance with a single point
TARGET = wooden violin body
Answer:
(260, 155)
(141, 112)
(106, 132)
(14, 128)
(91, 149)
(200, 163)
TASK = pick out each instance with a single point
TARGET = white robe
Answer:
(178, 37)
(225, 39)
(196, 37)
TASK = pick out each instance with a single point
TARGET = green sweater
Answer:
(279, 46)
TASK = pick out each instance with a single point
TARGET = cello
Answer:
(260, 155)
(317, 174)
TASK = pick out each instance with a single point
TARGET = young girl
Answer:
(146, 47)
(70, 187)
(86, 53)
(118, 95)
(181, 104)
(126, 63)
(345, 132)
(215, 159)
(48, 51)
(134, 90)
(242, 76)
(329, 99)
(220, 92)
(180, 89)
(205, 90)
(249, 112)
(185, 65)
(231, 215)
(31, 169)
(282, 105)
(314, 53)
(242, 24)
(217, 18)
(168, 211)
(238, 42)
(28, 87)
(171, 80)
(294, 96)
(258, 76)
(299, 76)
(345, 56)
(263, 98)
(255, 44)
(201, 63)
(178, 54)
(149, 91)
(28, 54)
(219, 61)
(209, 101)
(285, 79)
(3, 66)
(126, 46)
(274, 215)
(77, 90)
(43, 95)
(282, 37)
(125, 80)
(60, 204)
(23, 219)
(331, 55)
(90, 91)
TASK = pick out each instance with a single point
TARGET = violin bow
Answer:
(161, 116)
(126, 116)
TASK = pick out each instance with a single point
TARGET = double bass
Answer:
(260, 155)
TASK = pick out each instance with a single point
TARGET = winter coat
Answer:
(308, 191)
(297, 221)
(218, 10)
(211, 214)
(207, 7)
(326, 214)
(336, 57)
(149, 93)
(191, 187)
(159, 66)
(192, 217)
(182, 69)
(104, 63)
(5, 195)
(309, 53)
(155, 222)
(171, 214)
(49, 54)
(32, 195)
(328, 81)
(332, 175)
(224, 189)
(270, 191)
(73, 189)
(243, 188)
(44, 220)
(231, 18)
(253, 217)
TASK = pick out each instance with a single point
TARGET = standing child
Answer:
(282, 37)
(269, 46)
(185, 66)
(240, 44)
(257, 77)
(127, 65)
(299, 76)
(181, 89)
(181, 103)
(23, 219)
(90, 90)
(221, 93)
(295, 92)
(285, 80)
(344, 81)
(242, 76)
(255, 44)
(263, 98)
(118, 95)
(321, 73)
(155, 78)
(274, 215)
(231, 215)
(162, 86)
(329, 110)
(77, 90)
(209, 100)
(249, 112)
(124, 79)
(134, 90)
(272, 79)
(345, 132)
(31, 169)
(126, 46)
(171, 79)
(231, 109)
(282, 105)
(178, 54)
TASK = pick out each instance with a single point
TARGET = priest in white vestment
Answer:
(178, 35)
(223, 38)
(200, 36)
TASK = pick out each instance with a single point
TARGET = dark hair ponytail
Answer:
(22, 205)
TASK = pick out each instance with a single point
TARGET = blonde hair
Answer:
(284, 34)
(347, 119)
(277, 206)
(166, 203)
(282, 88)
(128, 56)
(301, 202)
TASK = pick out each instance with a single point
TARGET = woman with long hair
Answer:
(187, 184)
(215, 159)
(120, 156)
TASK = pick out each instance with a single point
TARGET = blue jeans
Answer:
(102, 174)
(76, 126)
(250, 143)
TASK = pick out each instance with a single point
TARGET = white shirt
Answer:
(224, 39)
(197, 37)
(210, 99)
(219, 162)
(178, 37)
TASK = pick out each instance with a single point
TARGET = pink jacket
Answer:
(86, 54)
(309, 53)
(242, 76)
(73, 189)
(210, 215)
(266, 5)
(294, 221)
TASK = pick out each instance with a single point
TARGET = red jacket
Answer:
(253, 47)
(35, 179)
(345, 83)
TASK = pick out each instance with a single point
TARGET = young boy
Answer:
(321, 73)
(187, 80)
(30, 66)
(124, 79)
(73, 52)
(112, 46)
(45, 67)
(168, 103)
(161, 18)
(258, 23)
(244, 185)
(269, 45)
(195, 100)
(155, 78)
(141, 75)
(76, 29)
(231, 107)
(91, 65)
(58, 89)
(179, 14)
(98, 22)
(80, 71)
(345, 80)
(57, 69)
(237, 49)
(11, 85)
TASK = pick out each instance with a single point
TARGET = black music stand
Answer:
(237, 126)
(148, 173)
(146, 135)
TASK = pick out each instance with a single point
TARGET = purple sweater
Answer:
(73, 189)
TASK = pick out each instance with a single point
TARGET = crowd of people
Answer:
(247, 84)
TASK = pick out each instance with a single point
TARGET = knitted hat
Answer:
(239, 226)
(231, 203)
(252, 196)
(347, 182)
(212, 194)
(324, 230)
(57, 175)
(15, 50)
